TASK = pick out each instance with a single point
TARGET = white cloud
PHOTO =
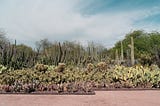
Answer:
(32, 20)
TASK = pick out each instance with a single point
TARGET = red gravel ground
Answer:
(102, 98)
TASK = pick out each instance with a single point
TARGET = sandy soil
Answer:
(102, 98)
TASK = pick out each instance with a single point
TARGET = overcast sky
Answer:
(105, 21)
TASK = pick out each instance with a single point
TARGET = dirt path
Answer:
(102, 98)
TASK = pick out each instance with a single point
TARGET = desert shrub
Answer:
(102, 66)
(60, 68)
(41, 67)
(90, 67)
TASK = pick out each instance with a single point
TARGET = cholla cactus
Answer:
(60, 67)
(101, 65)
(41, 67)
(90, 67)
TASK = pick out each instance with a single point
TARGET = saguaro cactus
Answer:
(116, 57)
(132, 51)
(122, 51)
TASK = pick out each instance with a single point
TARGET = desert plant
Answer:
(61, 67)
(90, 67)
(102, 66)
(2, 69)
(132, 51)
(41, 67)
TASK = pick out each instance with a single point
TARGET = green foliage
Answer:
(2, 69)
(146, 47)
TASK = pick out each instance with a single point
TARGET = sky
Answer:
(101, 21)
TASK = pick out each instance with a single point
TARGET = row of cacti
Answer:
(99, 75)
(74, 87)
(120, 60)
(17, 56)
(21, 56)
(138, 76)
